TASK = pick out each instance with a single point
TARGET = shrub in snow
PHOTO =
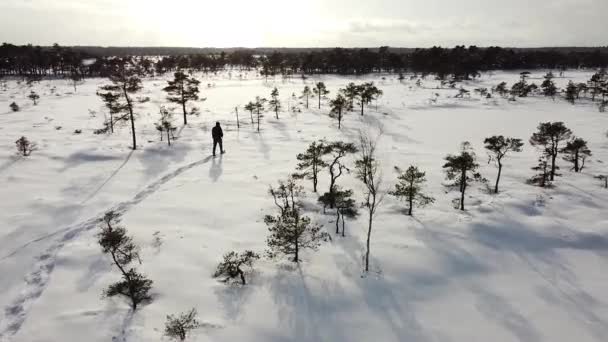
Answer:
(571, 92)
(232, 267)
(409, 188)
(311, 163)
(178, 327)
(460, 169)
(548, 138)
(24, 146)
(14, 107)
(114, 241)
(498, 146)
(576, 152)
(34, 97)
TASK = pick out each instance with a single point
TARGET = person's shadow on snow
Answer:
(216, 168)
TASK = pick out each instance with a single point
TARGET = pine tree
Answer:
(259, 108)
(345, 206)
(367, 93)
(461, 169)
(34, 97)
(498, 147)
(275, 103)
(232, 267)
(576, 152)
(571, 92)
(548, 86)
(306, 93)
(338, 150)
(117, 96)
(548, 137)
(542, 178)
(114, 241)
(596, 83)
(165, 124)
(290, 232)
(179, 327)
(409, 188)
(501, 89)
(311, 162)
(350, 92)
(181, 89)
(320, 91)
(338, 106)
(251, 108)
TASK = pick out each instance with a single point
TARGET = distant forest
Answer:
(459, 62)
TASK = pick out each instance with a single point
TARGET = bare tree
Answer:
(368, 172)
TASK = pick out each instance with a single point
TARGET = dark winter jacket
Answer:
(217, 133)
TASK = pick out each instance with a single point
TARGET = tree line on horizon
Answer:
(460, 62)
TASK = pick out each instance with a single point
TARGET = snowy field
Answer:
(527, 264)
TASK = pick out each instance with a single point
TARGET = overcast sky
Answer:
(314, 23)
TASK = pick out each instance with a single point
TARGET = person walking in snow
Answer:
(217, 135)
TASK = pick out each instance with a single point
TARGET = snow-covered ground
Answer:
(524, 265)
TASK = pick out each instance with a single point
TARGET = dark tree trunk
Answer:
(463, 187)
(498, 177)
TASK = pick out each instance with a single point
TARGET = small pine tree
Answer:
(231, 268)
(350, 92)
(338, 106)
(275, 103)
(501, 89)
(542, 178)
(311, 162)
(571, 92)
(251, 108)
(259, 108)
(548, 137)
(165, 124)
(178, 327)
(460, 169)
(409, 188)
(344, 203)
(498, 147)
(14, 107)
(182, 89)
(118, 96)
(548, 86)
(290, 232)
(367, 93)
(24, 146)
(113, 240)
(306, 94)
(576, 152)
(320, 91)
(34, 97)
